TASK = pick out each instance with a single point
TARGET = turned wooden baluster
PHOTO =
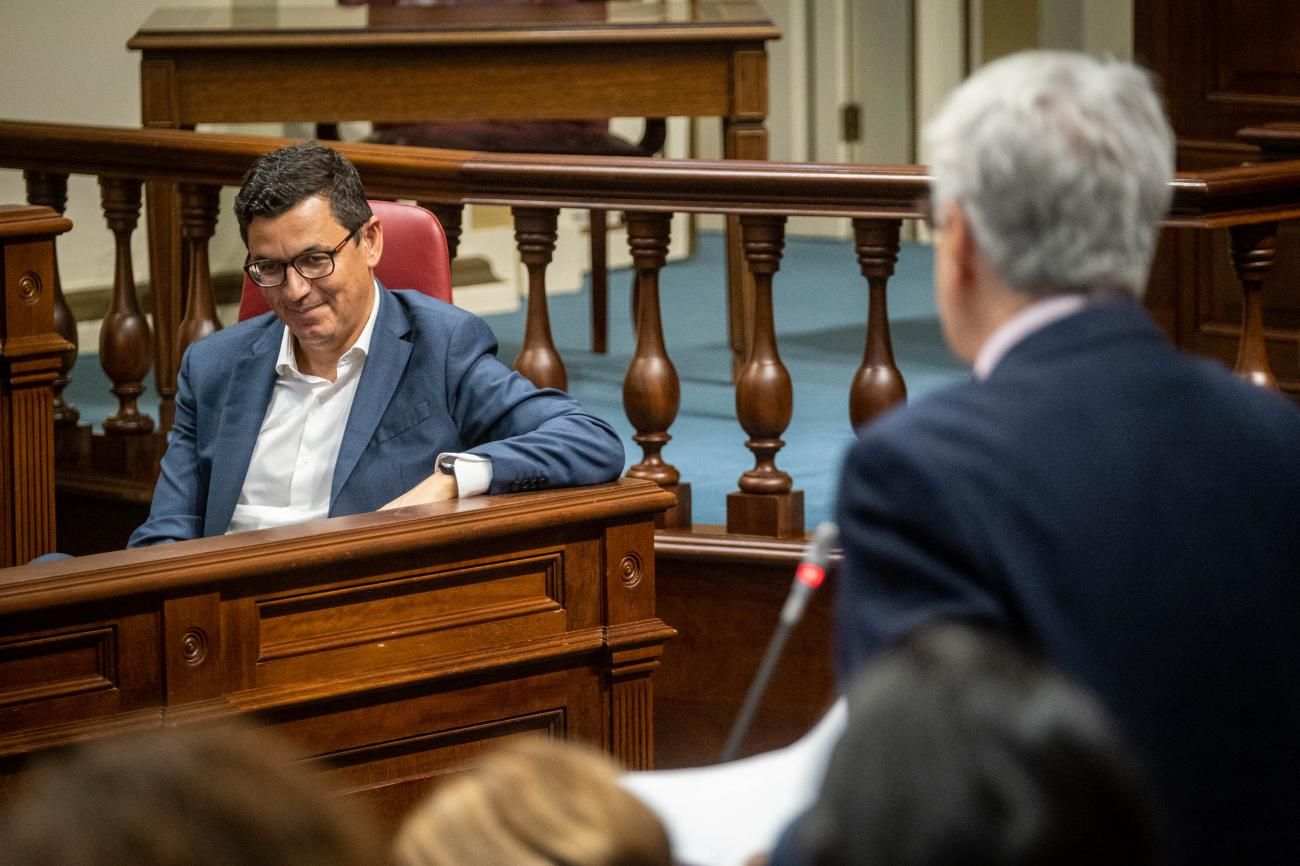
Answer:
(766, 503)
(1253, 249)
(450, 216)
(877, 385)
(51, 190)
(651, 390)
(538, 358)
(198, 222)
(125, 343)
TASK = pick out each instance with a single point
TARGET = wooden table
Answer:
(622, 58)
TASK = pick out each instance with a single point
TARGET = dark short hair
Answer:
(216, 796)
(963, 751)
(279, 180)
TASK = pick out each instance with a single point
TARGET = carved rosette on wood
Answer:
(31, 356)
(634, 639)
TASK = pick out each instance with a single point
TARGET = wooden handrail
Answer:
(1207, 199)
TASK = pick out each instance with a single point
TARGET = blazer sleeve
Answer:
(181, 492)
(910, 557)
(535, 437)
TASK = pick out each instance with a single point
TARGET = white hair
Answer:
(1061, 164)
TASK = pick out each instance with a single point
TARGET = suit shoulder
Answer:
(228, 343)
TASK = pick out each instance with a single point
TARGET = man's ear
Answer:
(372, 241)
(962, 248)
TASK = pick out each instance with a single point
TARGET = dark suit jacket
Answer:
(431, 383)
(1135, 513)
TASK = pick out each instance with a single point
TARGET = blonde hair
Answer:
(533, 802)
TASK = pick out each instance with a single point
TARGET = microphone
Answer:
(807, 577)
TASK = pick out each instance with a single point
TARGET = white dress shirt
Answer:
(291, 471)
(1032, 318)
(292, 468)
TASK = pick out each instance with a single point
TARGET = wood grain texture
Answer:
(390, 646)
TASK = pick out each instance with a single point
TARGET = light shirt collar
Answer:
(1031, 319)
(287, 362)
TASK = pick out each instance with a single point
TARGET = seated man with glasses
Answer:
(349, 396)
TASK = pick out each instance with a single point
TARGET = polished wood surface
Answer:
(31, 356)
(390, 646)
(1224, 65)
(704, 58)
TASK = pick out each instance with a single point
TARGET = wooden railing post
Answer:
(50, 189)
(651, 389)
(125, 343)
(766, 503)
(538, 359)
(31, 355)
(199, 204)
(1254, 248)
(877, 385)
(450, 216)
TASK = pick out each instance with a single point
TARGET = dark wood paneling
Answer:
(1223, 65)
(390, 646)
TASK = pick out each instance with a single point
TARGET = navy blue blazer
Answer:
(1132, 511)
(432, 383)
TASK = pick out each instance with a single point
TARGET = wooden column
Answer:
(49, 189)
(766, 503)
(535, 237)
(634, 639)
(31, 354)
(125, 343)
(877, 385)
(199, 204)
(651, 390)
(1254, 248)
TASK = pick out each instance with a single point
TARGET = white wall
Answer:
(67, 61)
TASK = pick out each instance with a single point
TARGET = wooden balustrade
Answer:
(766, 503)
(198, 223)
(1250, 201)
(538, 359)
(651, 390)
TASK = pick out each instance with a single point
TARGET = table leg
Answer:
(742, 139)
(162, 207)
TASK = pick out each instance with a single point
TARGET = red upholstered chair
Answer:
(415, 256)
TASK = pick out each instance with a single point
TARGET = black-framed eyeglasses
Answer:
(311, 265)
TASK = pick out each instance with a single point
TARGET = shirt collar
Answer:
(286, 363)
(1032, 318)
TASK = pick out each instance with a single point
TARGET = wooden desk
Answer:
(622, 58)
(389, 646)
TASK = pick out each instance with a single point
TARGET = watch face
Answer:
(447, 465)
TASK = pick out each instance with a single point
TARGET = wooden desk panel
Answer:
(389, 646)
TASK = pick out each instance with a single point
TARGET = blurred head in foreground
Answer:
(533, 802)
(218, 796)
(961, 751)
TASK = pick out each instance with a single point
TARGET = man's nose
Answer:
(295, 286)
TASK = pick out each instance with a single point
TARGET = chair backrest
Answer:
(415, 256)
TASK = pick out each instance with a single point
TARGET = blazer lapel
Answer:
(389, 352)
(248, 394)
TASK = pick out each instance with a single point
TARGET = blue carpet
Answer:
(820, 309)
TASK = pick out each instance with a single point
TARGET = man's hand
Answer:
(435, 488)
